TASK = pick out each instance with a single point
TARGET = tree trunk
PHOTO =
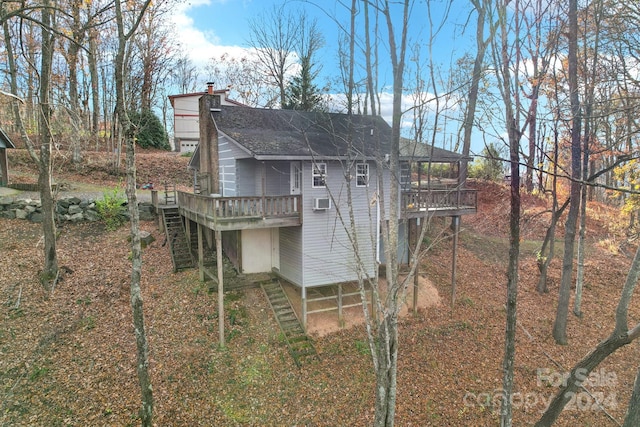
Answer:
(386, 372)
(43, 160)
(142, 356)
(589, 122)
(12, 71)
(512, 288)
(369, 66)
(77, 35)
(386, 379)
(577, 303)
(549, 240)
(95, 92)
(560, 324)
(50, 270)
(633, 410)
(550, 236)
(128, 132)
(512, 106)
(469, 116)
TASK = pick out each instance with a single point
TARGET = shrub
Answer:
(150, 132)
(111, 209)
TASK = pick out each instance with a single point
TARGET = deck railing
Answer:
(240, 207)
(433, 200)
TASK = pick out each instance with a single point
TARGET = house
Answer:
(5, 143)
(185, 116)
(275, 184)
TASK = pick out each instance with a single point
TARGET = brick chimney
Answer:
(210, 88)
(208, 144)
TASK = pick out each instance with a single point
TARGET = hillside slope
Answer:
(69, 358)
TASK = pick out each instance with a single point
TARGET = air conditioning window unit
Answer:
(321, 203)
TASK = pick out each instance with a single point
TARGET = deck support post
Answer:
(304, 308)
(340, 317)
(374, 306)
(455, 225)
(220, 286)
(417, 268)
(187, 230)
(200, 253)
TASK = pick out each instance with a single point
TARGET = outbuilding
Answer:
(5, 143)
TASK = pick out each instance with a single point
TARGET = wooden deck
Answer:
(241, 213)
(443, 202)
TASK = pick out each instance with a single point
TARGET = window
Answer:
(319, 175)
(362, 174)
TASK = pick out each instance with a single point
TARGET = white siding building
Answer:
(185, 117)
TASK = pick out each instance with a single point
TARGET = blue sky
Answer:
(212, 27)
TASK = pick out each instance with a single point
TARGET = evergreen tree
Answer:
(302, 93)
(150, 133)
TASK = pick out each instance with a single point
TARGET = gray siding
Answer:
(246, 172)
(291, 254)
(328, 254)
(231, 159)
(249, 178)
(227, 169)
(277, 178)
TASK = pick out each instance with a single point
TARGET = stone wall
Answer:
(71, 209)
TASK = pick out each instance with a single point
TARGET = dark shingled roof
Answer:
(289, 133)
(282, 134)
(415, 151)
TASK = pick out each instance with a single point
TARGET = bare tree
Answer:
(371, 67)
(547, 250)
(506, 84)
(590, 62)
(560, 324)
(156, 52)
(128, 132)
(185, 74)
(245, 80)
(274, 36)
(46, 147)
(95, 83)
(72, 57)
(42, 156)
(481, 7)
(386, 345)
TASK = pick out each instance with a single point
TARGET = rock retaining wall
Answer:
(71, 209)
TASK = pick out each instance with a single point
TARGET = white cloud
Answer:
(201, 46)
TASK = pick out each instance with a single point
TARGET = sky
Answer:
(210, 28)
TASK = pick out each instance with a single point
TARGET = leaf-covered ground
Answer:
(69, 358)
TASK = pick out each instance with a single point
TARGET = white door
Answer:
(296, 178)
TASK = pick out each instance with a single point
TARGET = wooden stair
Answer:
(209, 255)
(177, 239)
(299, 344)
(170, 194)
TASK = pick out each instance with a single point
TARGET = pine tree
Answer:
(302, 93)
